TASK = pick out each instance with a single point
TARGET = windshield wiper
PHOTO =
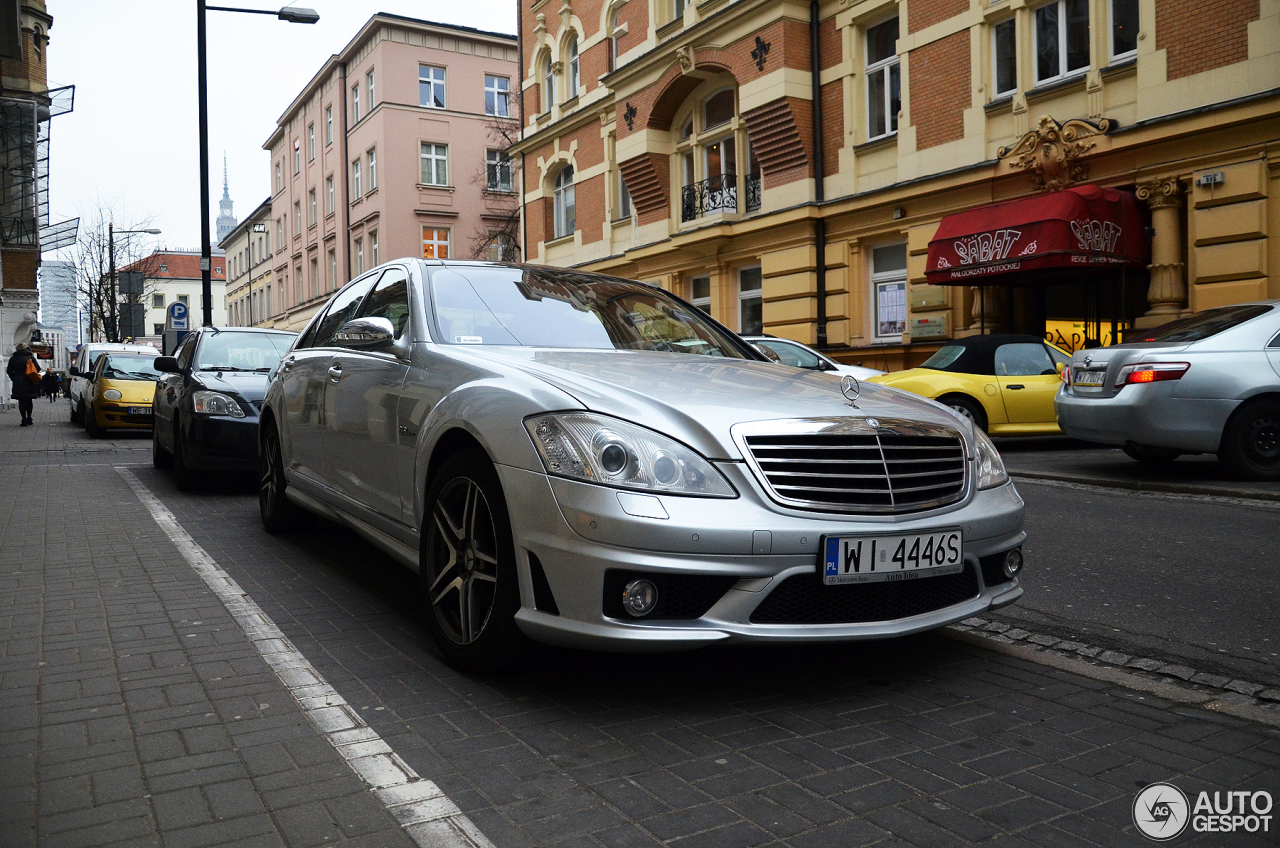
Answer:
(224, 368)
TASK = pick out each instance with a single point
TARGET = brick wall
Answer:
(636, 17)
(28, 67)
(782, 137)
(588, 198)
(533, 100)
(20, 268)
(1199, 37)
(940, 90)
(926, 13)
(535, 222)
(647, 178)
(830, 45)
(832, 126)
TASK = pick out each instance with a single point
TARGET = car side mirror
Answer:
(75, 372)
(167, 364)
(365, 334)
(1059, 366)
(827, 366)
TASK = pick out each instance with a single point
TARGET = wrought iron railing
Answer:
(716, 192)
(753, 192)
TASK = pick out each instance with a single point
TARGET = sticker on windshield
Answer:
(468, 339)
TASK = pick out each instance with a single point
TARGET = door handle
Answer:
(335, 372)
(1015, 386)
(288, 364)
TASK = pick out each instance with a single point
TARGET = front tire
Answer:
(91, 424)
(968, 408)
(467, 566)
(278, 513)
(160, 458)
(1250, 446)
(1149, 455)
(183, 475)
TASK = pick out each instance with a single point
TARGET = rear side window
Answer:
(1023, 360)
(1203, 325)
(341, 310)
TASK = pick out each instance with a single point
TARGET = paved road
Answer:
(125, 690)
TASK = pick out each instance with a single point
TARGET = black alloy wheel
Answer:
(277, 511)
(1251, 441)
(1150, 455)
(160, 458)
(467, 566)
(967, 408)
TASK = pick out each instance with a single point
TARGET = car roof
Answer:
(979, 356)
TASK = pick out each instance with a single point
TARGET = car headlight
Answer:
(598, 449)
(112, 394)
(216, 403)
(989, 467)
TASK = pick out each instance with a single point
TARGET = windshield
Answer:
(944, 356)
(556, 308)
(793, 355)
(230, 351)
(1202, 325)
(130, 368)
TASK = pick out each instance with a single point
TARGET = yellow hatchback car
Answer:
(1004, 383)
(121, 387)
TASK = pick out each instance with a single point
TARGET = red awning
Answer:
(1082, 227)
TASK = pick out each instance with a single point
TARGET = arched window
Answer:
(575, 79)
(562, 199)
(715, 163)
(37, 42)
(548, 82)
(613, 39)
(718, 109)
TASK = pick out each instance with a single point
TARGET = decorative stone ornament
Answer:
(684, 55)
(760, 52)
(629, 115)
(1049, 152)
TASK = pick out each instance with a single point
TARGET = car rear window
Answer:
(1202, 325)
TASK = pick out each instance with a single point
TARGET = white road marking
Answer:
(425, 813)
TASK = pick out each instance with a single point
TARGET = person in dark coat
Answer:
(24, 389)
(50, 385)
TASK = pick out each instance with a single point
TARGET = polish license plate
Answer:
(139, 410)
(878, 559)
(1088, 379)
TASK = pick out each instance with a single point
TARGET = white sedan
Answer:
(802, 356)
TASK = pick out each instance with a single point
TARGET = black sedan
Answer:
(208, 397)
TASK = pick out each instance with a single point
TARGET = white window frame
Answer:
(311, 211)
(297, 156)
(333, 270)
(435, 242)
(359, 255)
(888, 64)
(1063, 71)
(355, 103)
(575, 68)
(499, 88)
(311, 142)
(329, 195)
(279, 177)
(548, 82)
(495, 166)
(372, 178)
(996, 91)
(564, 204)
(297, 218)
(703, 303)
(373, 247)
(881, 281)
(438, 155)
(428, 74)
(328, 125)
(356, 185)
(745, 296)
(1111, 32)
(613, 36)
(313, 281)
(677, 9)
(369, 96)
(625, 208)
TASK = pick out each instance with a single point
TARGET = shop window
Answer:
(1062, 39)
(1004, 76)
(889, 284)
(884, 79)
(750, 301)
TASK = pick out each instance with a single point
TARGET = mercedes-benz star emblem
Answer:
(873, 423)
(1088, 360)
(849, 387)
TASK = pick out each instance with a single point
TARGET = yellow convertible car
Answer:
(1004, 383)
(121, 387)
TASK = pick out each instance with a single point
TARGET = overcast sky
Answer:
(131, 144)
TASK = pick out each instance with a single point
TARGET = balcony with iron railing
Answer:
(718, 193)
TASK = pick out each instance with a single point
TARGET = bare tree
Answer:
(105, 298)
(498, 235)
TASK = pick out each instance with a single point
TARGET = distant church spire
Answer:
(226, 217)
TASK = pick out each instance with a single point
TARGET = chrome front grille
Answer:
(847, 466)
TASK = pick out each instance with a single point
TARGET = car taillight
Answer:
(1065, 374)
(1151, 372)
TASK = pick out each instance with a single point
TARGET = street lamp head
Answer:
(298, 15)
(153, 231)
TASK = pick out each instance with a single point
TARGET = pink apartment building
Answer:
(392, 150)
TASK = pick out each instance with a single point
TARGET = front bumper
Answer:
(576, 533)
(220, 443)
(1149, 415)
(114, 415)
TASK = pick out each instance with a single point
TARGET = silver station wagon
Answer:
(592, 462)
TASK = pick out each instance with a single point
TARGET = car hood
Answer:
(698, 399)
(912, 374)
(137, 392)
(248, 385)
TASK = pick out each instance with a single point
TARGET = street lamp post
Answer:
(111, 264)
(293, 15)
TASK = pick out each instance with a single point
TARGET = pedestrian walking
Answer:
(50, 385)
(24, 374)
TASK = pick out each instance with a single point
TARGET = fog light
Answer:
(639, 598)
(1013, 562)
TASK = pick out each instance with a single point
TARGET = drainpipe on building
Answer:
(346, 188)
(819, 177)
(524, 221)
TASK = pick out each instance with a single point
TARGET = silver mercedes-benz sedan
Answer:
(1207, 383)
(590, 461)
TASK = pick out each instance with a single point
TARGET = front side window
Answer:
(1062, 39)
(575, 78)
(884, 80)
(565, 213)
(435, 243)
(718, 109)
(355, 179)
(1023, 360)
(497, 94)
(341, 310)
(544, 307)
(390, 300)
(750, 301)
(373, 169)
(1124, 28)
(431, 87)
(677, 9)
(889, 282)
(497, 171)
(1004, 75)
(435, 169)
